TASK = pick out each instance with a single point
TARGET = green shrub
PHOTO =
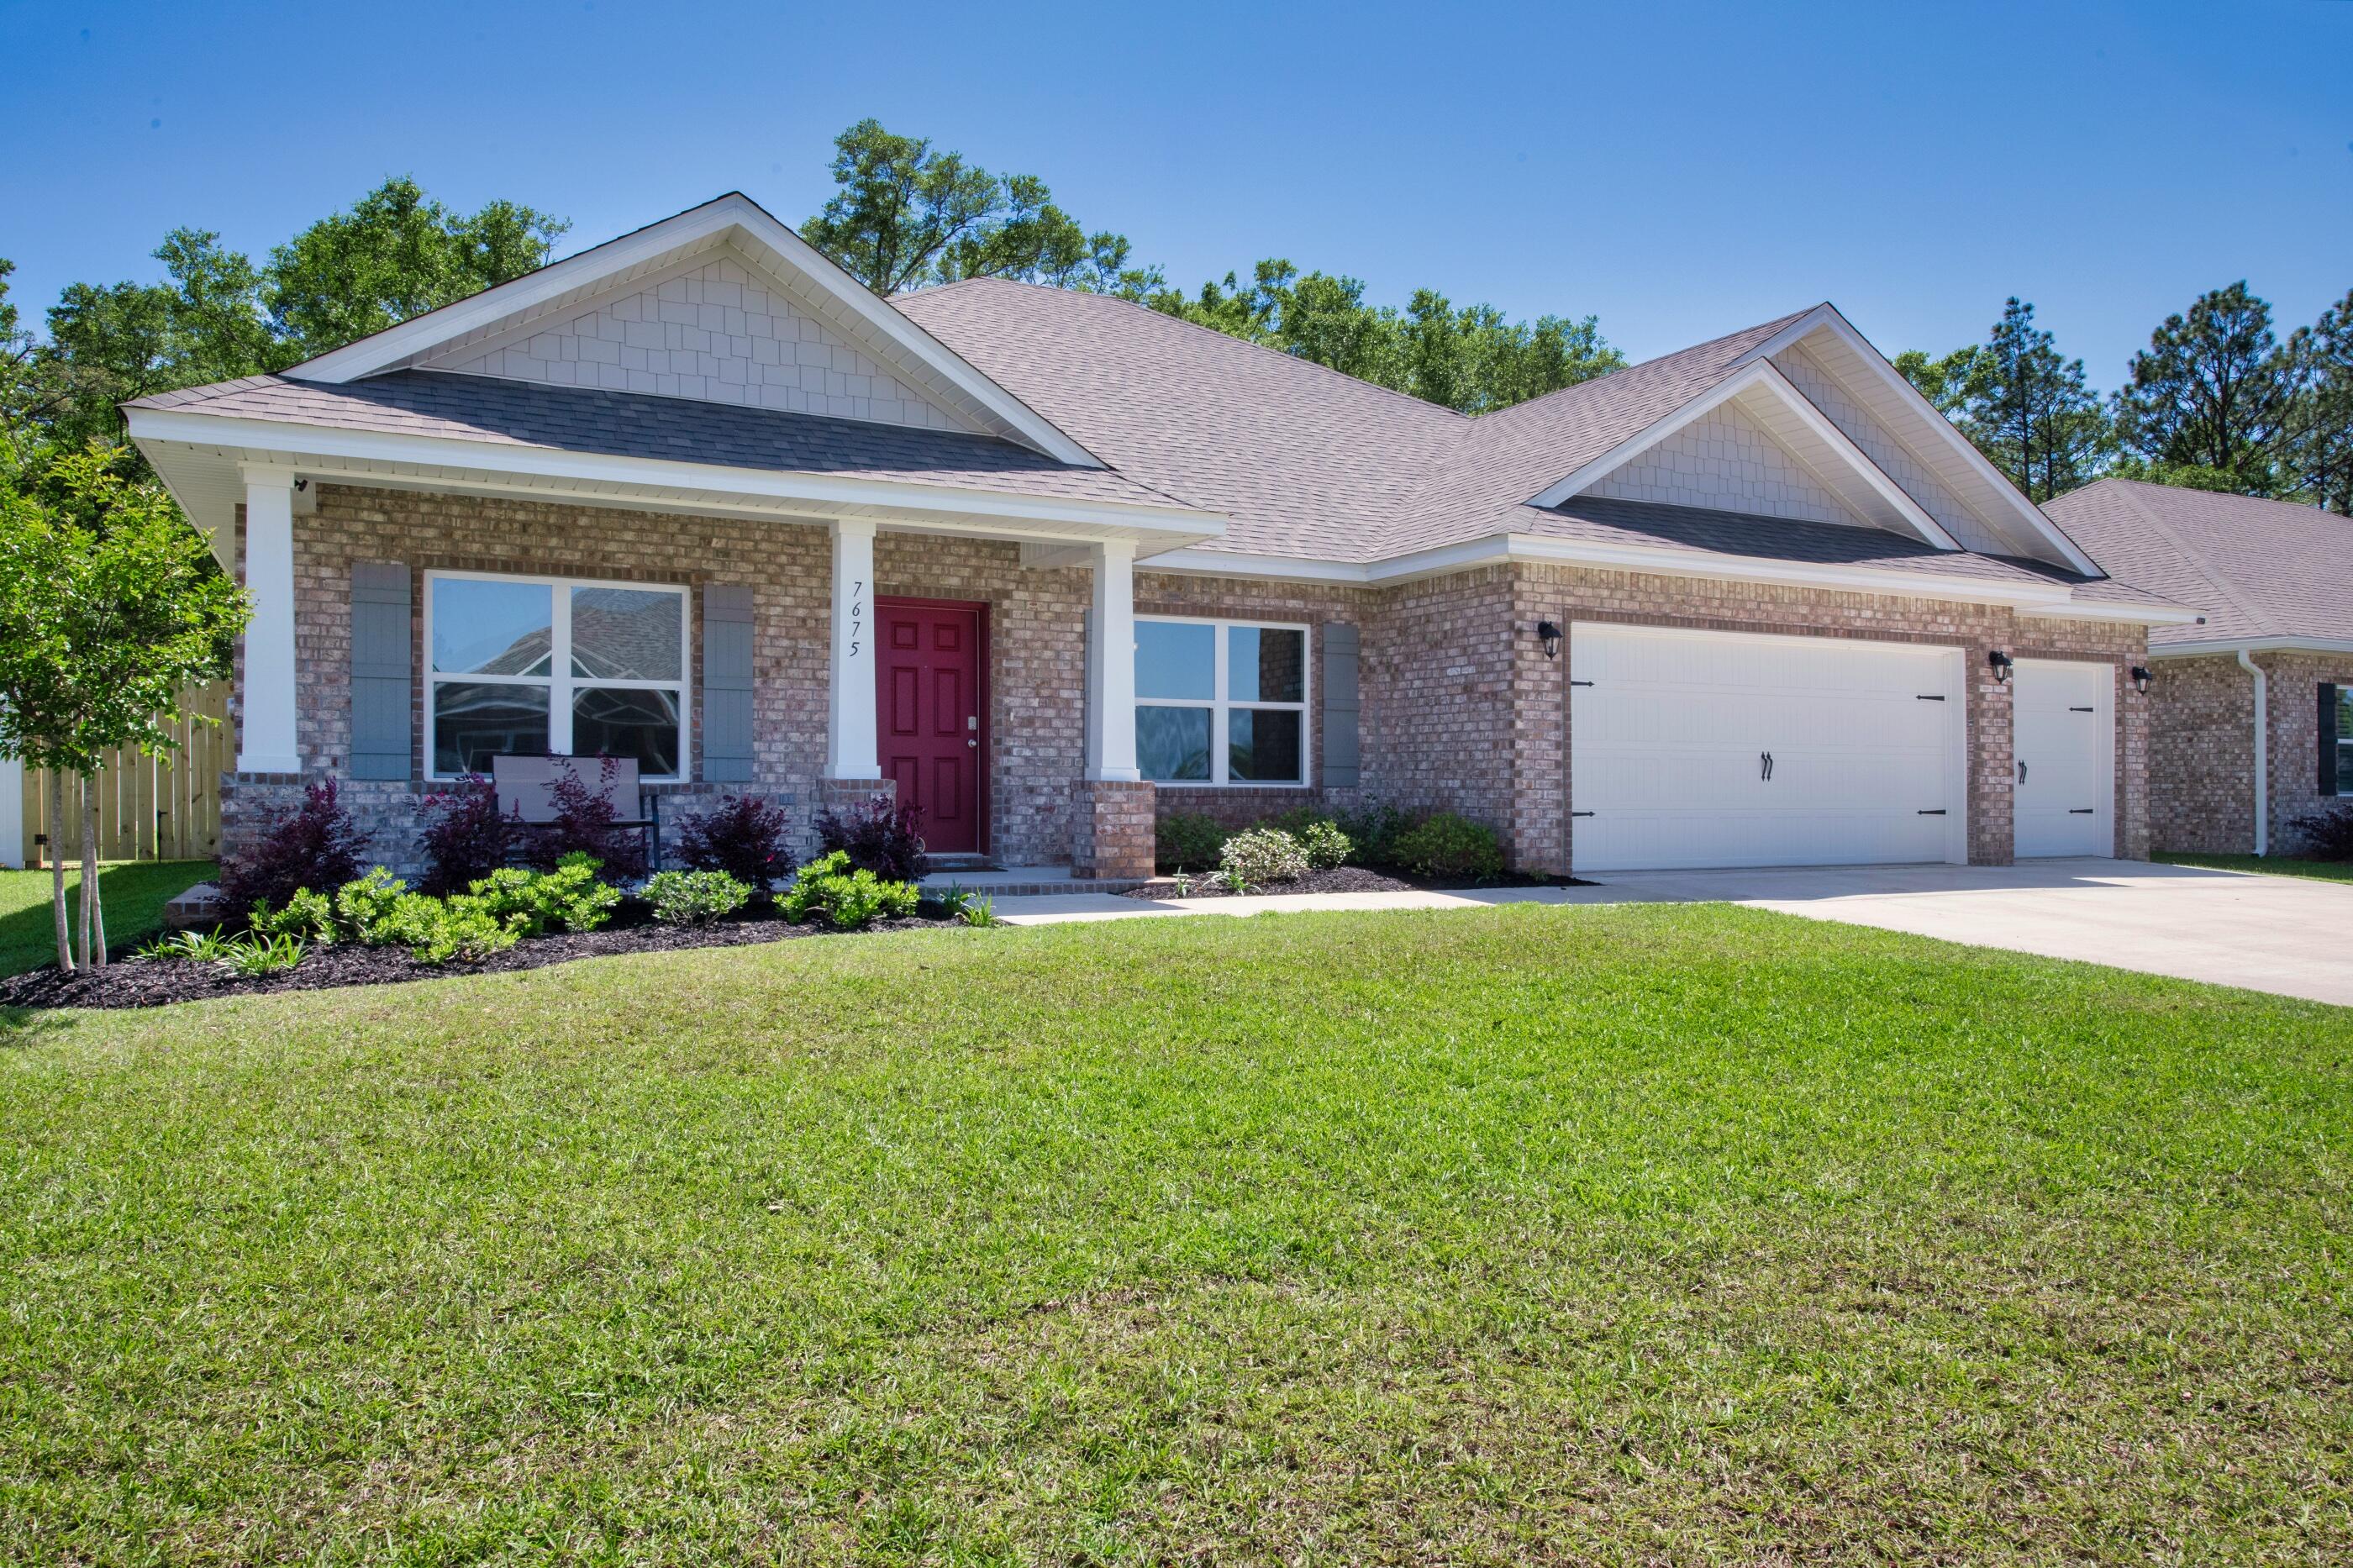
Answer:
(364, 906)
(1324, 845)
(1373, 831)
(1187, 839)
(1450, 846)
(460, 928)
(1262, 855)
(308, 916)
(570, 896)
(201, 947)
(695, 898)
(255, 955)
(849, 899)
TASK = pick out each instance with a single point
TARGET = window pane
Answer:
(492, 628)
(641, 724)
(1264, 665)
(1262, 745)
(1175, 660)
(1172, 743)
(473, 722)
(626, 634)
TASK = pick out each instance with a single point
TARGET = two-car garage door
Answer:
(1720, 749)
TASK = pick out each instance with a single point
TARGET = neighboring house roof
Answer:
(440, 405)
(2264, 572)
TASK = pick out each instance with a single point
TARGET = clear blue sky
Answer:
(1678, 170)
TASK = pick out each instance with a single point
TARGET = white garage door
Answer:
(1714, 748)
(2062, 718)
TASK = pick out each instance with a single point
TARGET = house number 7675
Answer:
(857, 613)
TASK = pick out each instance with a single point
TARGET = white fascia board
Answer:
(1826, 317)
(731, 216)
(278, 440)
(2207, 646)
(2108, 610)
(1762, 375)
(2052, 600)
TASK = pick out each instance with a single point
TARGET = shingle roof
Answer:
(1303, 459)
(2257, 568)
(633, 425)
(1604, 520)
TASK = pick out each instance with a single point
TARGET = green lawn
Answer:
(1632, 1234)
(134, 894)
(2271, 865)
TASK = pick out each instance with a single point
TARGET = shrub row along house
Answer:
(1046, 564)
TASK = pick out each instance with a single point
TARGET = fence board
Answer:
(150, 807)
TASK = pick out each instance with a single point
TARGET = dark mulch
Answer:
(1357, 880)
(133, 982)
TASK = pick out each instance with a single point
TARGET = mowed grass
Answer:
(132, 892)
(2270, 865)
(1635, 1235)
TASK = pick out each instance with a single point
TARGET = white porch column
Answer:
(1111, 680)
(12, 813)
(266, 706)
(849, 707)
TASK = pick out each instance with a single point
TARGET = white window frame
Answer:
(1221, 705)
(559, 682)
(2344, 748)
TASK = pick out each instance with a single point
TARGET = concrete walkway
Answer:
(2288, 935)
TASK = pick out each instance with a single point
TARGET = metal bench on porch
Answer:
(526, 790)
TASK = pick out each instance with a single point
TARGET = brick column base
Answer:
(1111, 828)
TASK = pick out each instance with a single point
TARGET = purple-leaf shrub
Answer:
(878, 836)
(583, 824)
(743, 836)
(315, 845)
(465, 836)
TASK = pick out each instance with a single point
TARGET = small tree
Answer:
(111, 608)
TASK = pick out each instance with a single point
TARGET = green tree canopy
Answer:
(2213, 390)
(905, 214)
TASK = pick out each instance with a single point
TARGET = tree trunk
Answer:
(57, 874)
(93, 940)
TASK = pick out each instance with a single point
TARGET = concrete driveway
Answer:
(2289, 935)
(2283, 934)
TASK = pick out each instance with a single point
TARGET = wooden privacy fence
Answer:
(150, 807)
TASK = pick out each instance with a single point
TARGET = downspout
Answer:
(2262, 753)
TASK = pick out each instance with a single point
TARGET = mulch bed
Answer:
(130, 981)
(1355, 879)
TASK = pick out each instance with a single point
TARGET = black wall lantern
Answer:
(2001, 663)
(2141, 679)
(1549, 634)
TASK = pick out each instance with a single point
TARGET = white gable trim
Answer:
(732, 218)
(1757, 376)
(1826, 317)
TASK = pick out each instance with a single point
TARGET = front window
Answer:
(532, 666)
(1221, 702)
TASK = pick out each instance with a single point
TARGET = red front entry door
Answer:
(930, 710)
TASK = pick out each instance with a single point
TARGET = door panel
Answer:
(2061, 715)
(932, 697)
(1669, 745)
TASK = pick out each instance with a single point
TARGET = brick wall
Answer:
(2202, 749)
(2295, 736)
(1460, 710)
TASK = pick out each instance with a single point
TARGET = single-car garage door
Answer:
(1694, 749)
(2061, 739)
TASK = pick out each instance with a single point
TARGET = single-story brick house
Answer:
(2277, 639)
(1051, 563)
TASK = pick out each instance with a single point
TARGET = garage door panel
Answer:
(1667, 743)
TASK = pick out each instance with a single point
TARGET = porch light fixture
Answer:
(1549, 634)
(2141, 679)
(2001, 663)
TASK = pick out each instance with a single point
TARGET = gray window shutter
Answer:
(1341, 760)
(383, 691)
(726, 683)
(2328, 737)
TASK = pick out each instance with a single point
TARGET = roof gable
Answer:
(549, 300)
